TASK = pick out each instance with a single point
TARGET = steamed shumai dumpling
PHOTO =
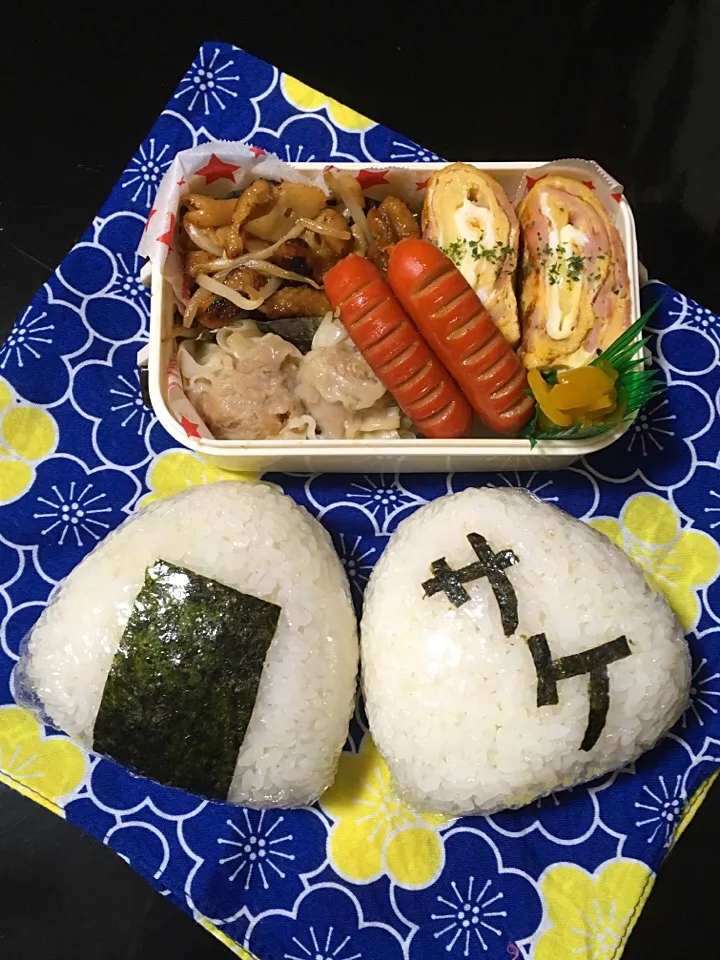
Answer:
(509, 650)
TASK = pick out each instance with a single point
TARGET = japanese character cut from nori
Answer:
(209, 643)
(509, 650)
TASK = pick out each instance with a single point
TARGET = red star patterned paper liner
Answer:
(181, 408)
(609, 191)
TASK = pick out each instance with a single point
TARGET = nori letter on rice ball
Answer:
(183, 683)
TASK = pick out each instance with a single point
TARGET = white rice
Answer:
(452, 701)
(257, 540)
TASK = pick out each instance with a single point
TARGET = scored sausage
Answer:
(449, 314)
(395, 351)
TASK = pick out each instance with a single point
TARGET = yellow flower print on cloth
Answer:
(678, 562)
(591, 916)
(177, 470)
(303, 97)
(27, 435)
(224, 939)
(47, 769)
(374, 831)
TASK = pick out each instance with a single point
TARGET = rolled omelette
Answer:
(469, 216)
(575, 292)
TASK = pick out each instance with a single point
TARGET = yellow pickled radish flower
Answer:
(585, 393)
(543, 397)
(580, 388)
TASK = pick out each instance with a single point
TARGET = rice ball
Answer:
(234, 543)
(509, 650)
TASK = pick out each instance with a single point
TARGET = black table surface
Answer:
(633, 85)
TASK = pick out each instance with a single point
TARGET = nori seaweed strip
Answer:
(547, 692)
(599, 696)
(451, 581)
(594, 662)
(299, 331)
(600, 656)
(490, 565)
(183, 683)
(495, 566)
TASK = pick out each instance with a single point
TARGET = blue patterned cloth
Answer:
(79, 451)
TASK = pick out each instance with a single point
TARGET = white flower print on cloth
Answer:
(290, 142)
(106, 262)
(567, 817)
(704, 702)
(88, 269)
(382, 499)
(67, 511)
(704, 319)
(35, 356)
(381, 144)
(145, 834)
(119, 235)
(10, 562)
(101, 272)
(684, 311)
(687, 350)
(146, 170)
(659, 444)
(118, 310)
(16, 624)
(108, 393)
(643, 803)
(700, 498)
(139, 182)
(325, 922)
(660, 811)
(357, 555)
(25, 338)
(224, 71)
(208, 80)
(261, 856)
(128, 283)
(476, 908)
(112, 787)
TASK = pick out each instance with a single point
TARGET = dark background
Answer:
(634, 85)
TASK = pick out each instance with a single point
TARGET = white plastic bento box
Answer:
(376, 456)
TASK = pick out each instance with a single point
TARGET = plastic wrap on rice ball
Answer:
(208, 643)
(510, 650)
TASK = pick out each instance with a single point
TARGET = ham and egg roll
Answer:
(468, 215)
(575, 297)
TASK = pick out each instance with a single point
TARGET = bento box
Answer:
(418, 455)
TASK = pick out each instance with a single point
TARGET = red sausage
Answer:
(458, 328)
(397, 354)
